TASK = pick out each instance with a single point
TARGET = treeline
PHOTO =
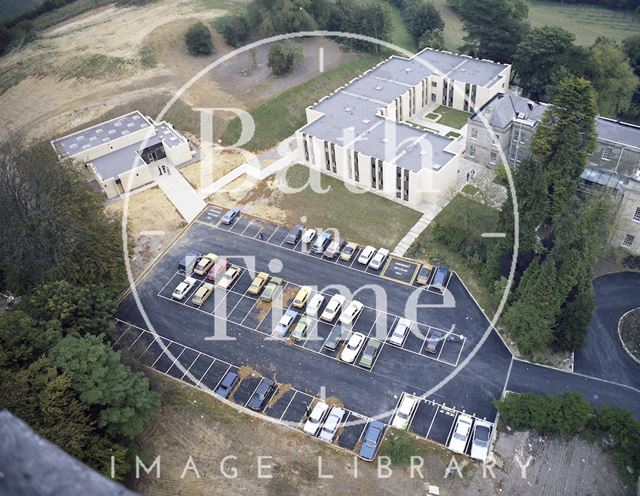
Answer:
(63, 258)
(569, 414)
(611, 4)
(423, 21)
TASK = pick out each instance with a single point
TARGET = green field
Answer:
(279, 117)
(450, 117)
(399, 34)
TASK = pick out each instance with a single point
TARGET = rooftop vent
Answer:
(520, 115)
(530, 104)
(348, 109)
(378, 88)
(385, 140)
(408, 69)
(366, 121)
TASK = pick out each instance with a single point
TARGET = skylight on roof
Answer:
(348, 109)
(366, 121)
(378, 88)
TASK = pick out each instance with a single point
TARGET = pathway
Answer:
(179, 192)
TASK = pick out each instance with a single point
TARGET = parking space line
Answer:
(221, 378)
(176, 359)
(455, 419)
(274, 231)
(123, 333)
(432, 421)
(145, 350)
(310, 333)
(384, 341)
(464, 340)
(247, 227)
(254, 391)
(194, 361)
(295, 392)
(205, 372)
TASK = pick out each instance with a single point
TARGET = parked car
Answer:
(433, 340)
(378, 260)
(285, 323)
(480, 440)
(260, 396)
(424, 274)
(333, 308)
(353, 347)
(202, 294)
(230, 216)
(403, 413)
(301, 330)
(204, 264)
(349, 250)
(458, 441)
(322, 241)
(229, 277)
(218, 269)
(400, 332)
(366, 254)
(308, 236)
(331, 424)
(189, 261)
(351, 313)
(313, 307)
(371, 440)
(183, 288)
(313, 423)
(334, 248)
(334, 338)
(227, 384)
(301, 297)
(440, 279)
(270, 290)
(294, 234)
(370, 353)
(258, 283)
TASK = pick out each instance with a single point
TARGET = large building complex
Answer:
(124, 153)
(613, 165)
(360, 132)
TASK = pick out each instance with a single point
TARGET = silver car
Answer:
(331, 424)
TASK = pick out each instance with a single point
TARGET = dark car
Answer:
(294, 234)
(230, 216)
(261, 394)
(371, 440)
(322, 241)
(334, 338)
(440, 279)
(226, 384)
(433, 339)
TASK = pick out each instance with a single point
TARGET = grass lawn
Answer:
(468, 218)
(451, 117)
(453, 134)
(279, 117)
(365, 218)
(470, 189)
(399, 34)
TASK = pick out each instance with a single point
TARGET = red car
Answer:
(218, 270)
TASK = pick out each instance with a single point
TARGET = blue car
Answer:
(226, 384)
(371, 441)
(230, 216)
(440, 279)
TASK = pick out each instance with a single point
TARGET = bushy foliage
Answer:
(284, 56)
(198, 40)
(235, 30)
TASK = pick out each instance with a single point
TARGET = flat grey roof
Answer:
(168, 136)
(105, 132)
(115, 163)
(618, 132)
(462, 67)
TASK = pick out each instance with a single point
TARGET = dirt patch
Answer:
(333, 401)
(224, 161)
(246, 371)
(152, 224)
(288, 295)
(282, 390)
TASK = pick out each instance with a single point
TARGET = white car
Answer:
(314, 305)
(183, 288)
(366, 254)
(333, 308)
(312, 425)
(229, 277)
(400, 332)
(350, 314)
(353, 347)
(480, 440)
(379, 259)
(461, 432)
(308, 236)
(404, 411)
(331, 424)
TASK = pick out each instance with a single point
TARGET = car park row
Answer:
(331, 423)
(338, 321)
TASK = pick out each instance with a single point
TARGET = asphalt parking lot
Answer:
(254, 245)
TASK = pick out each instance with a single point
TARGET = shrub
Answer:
(284, 56)
(399, 446)
(198, 40)
(235, 30)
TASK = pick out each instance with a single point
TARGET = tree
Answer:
(494, 27)
(432, 39)
(198, 40)
(123, 397)
(53, 225)
(270, 17)
(541, 53)
(235, 30)
(368, 18)
(5, 38)
(612, 77)
(23, 339)
(284, 56)
(631, 48)
(421, 18)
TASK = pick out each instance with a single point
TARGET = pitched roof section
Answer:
(505, 108)
(618, 132)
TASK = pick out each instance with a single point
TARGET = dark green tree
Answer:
(284, 56)
(198, 40)
(494, 27)
(235, 30)
(24, 339)
(101, 380)
(368, 18)
(421, 18)
(631, 48)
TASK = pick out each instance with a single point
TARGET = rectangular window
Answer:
(333, 157)
(474, 133)
(356, 167)
(406, 185)
(326, 156)
(434, 84)
(607, 153)
(433, 97)
(636, 215)
(306, 148)
(380, 174)
(373, 173)
(628, 240)
(516, 135)
(493, 158)
(472, 151)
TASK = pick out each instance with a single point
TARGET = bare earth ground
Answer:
(224, 161)
(208, 431)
